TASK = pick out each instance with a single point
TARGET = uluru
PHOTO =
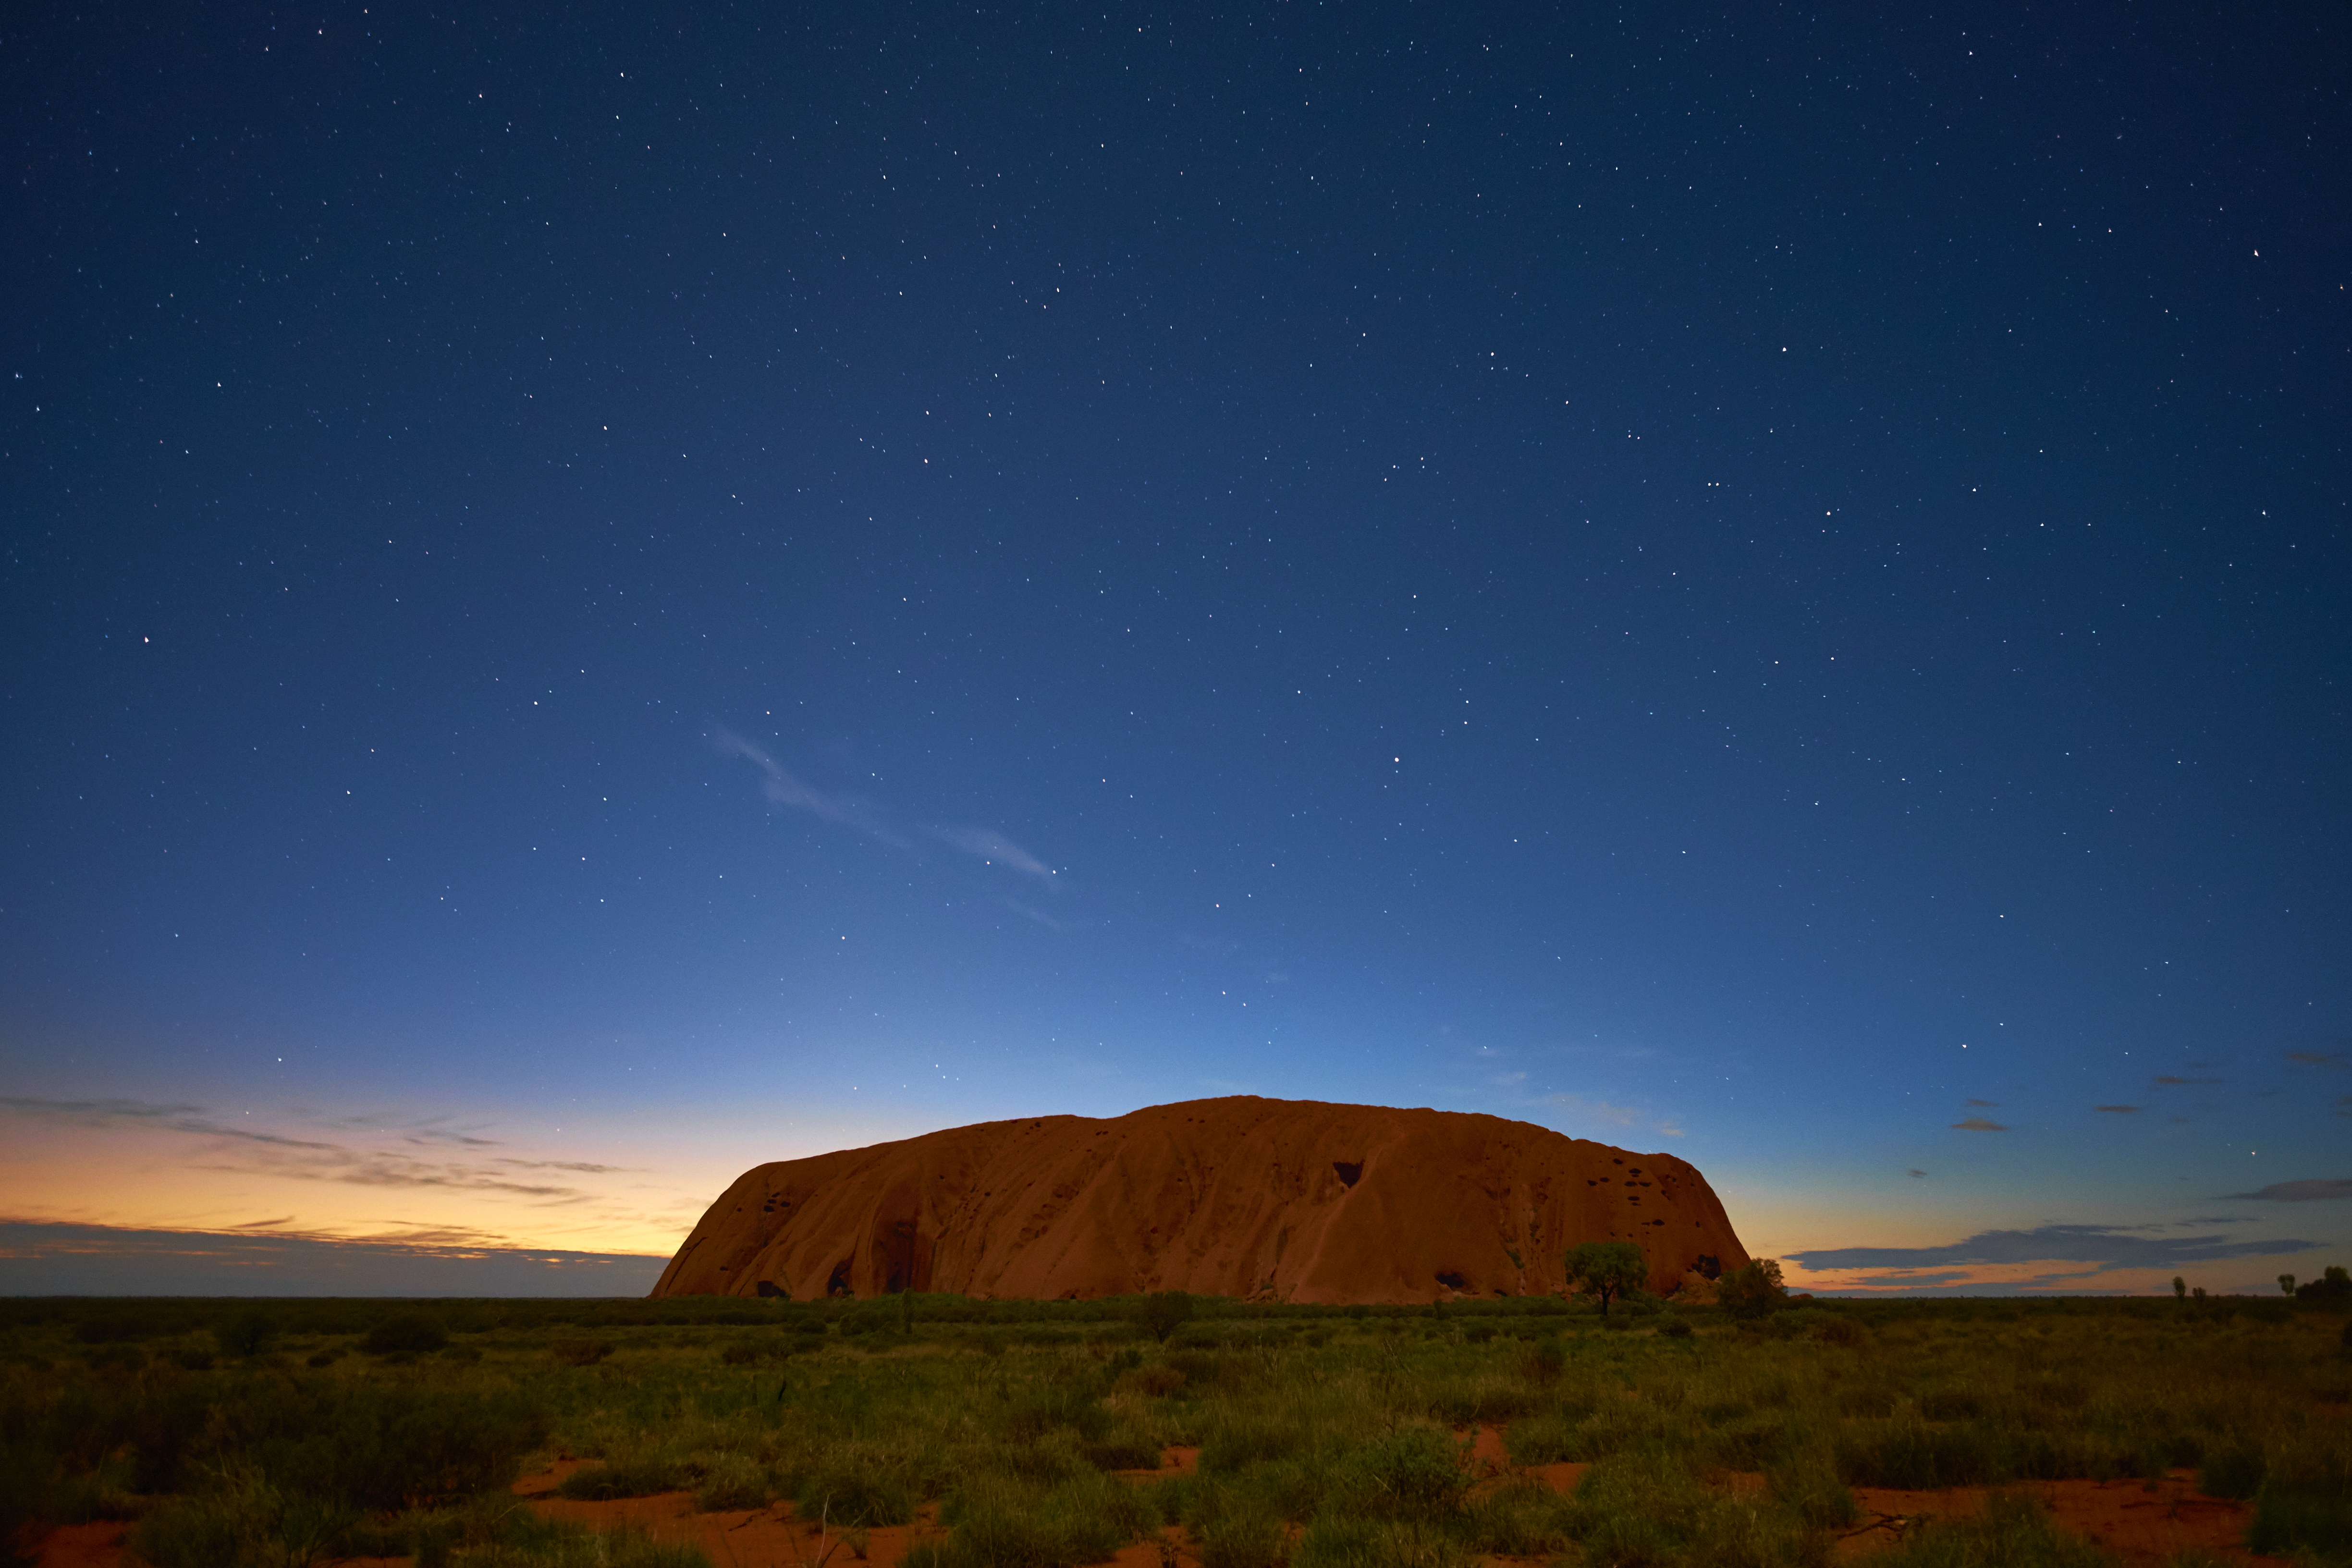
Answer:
(1277, 1200)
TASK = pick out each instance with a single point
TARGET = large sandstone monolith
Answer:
(1270, 1199)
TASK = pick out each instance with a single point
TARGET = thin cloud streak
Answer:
(2303, 1192)
(240, 1151)
(994, 848)
(783, 787)
(2104, 1246)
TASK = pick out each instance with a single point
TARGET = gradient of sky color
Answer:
(593, 600)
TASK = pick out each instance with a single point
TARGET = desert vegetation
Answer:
(295, 1432)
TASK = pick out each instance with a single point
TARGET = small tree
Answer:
(2286, 1284)
(1753, 1291)
(1606, 1269)
(2179, 1288)
(244, 1334)
(1164, 1311)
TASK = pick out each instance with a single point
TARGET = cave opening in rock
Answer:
(1350, 1171)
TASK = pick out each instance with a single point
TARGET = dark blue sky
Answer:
(596, 597)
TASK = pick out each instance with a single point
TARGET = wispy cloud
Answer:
(250, 1151)
(994, 848)
(2118, 1110)
(2319, 1059)
(1579, 1107)
(783, 787)
(1917, 1174)
(1978, 1125)
(1596, 1110)
(1988, 1104)
(2102, 1246)
(2167, 1080)
(102, 1113)
(2303, 1192)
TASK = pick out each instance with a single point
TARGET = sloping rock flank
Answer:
(1268, 1199)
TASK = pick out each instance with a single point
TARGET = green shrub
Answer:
(2288, 1520)
(411, 1333)
(241, 1521)
(1913, 1457)
(1342, 1541)
(579, 1353)
(854, 1495)
(382, 1448)
(1806, 1482)
(1753, 1290)
(2232, 1470)
(627, 1478)
(1950, 1405)
(1060, 1405)
(1248, 1535)
(2009, 1532)
(1163, 1312)
(732, 1481)
(996, 1523)
(1128, 1453)
(1521, 1518)
(245, 1333)
(1416, 1472)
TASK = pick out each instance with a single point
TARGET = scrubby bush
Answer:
(854, 1495)
(1163, 1312)
(2009, 1532)
(245, 1333)
(579, 1353)
(625, 1478)
(1753, 1290)
(405, 1333)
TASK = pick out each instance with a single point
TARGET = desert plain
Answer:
(1234, 1333)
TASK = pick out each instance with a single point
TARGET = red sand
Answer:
(1262, 1199)
(2138, 1523)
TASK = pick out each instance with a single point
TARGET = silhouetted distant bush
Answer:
(1753, 1290)
(244, 1334)
(409, 1333)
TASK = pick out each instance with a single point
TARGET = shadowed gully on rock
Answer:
(1265, 1199)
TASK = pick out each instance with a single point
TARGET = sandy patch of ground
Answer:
(2141, 1523)
(85, 1545)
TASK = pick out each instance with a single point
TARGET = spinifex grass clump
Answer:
(2010, 1531)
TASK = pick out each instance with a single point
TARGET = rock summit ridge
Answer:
(1261, 1199)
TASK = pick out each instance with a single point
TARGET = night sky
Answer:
(594, 598)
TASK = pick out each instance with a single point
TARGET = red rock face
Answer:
(1268, 1199)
